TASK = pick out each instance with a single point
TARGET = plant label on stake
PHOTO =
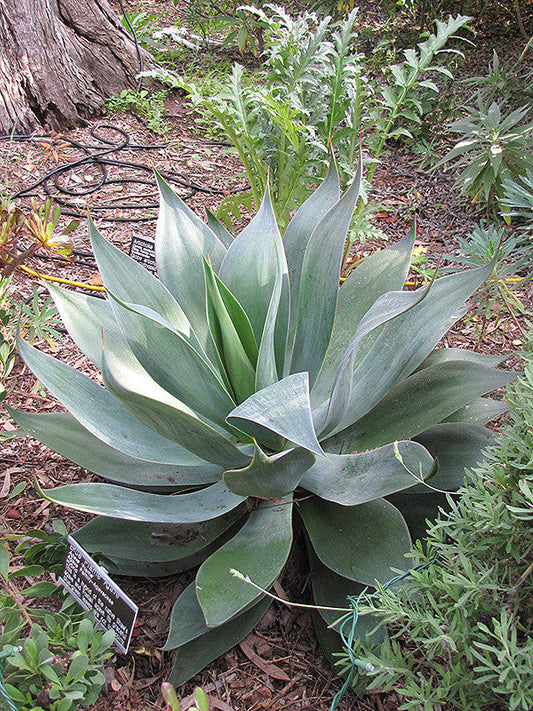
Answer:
(142, 250)
(90, 585)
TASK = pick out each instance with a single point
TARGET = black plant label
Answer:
(90, 585)
(142, 250)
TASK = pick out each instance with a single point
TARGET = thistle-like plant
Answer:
(245, 394)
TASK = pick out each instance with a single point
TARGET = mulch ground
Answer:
(279, 665)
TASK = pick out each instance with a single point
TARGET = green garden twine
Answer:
(347, 639)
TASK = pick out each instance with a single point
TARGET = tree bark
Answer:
(59, 61)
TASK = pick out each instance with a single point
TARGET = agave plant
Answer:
(245, 394)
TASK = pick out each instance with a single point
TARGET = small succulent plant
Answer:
(245, 393)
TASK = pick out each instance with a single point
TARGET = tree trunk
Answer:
(59, 61)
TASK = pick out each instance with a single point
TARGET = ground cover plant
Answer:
(466, 617)
(269, 387)
(50, 659)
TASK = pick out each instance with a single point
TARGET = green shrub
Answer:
(512, 267)
(517, 202)
(314, 91)
(245, 393)
(149, 106)
(461, 631)
(493, 148)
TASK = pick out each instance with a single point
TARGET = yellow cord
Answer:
(61, 281)
(508, 280)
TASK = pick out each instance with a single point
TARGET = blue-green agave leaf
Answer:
(387, 307)
(297, 235)
(134, 568)
(405, 341)
(233, 336)
(101, 413)
(319, 284)
(118, 502)
(269, 358)
(219, 228)
(332, 590)
(479, 411)
(457, 446)
(440, 355)
(63, 434)
(418, 509)
(181, 240)
(381, 272)
(151, 542)
(187, 621)
(420, 401)
(283, 408)
(85, 318)
(130, 281)
(270, 477)
(362, 543)
(259, 550)
(174, 363)
(251, 264)
(237, 315)
(352, 479)
(163, 413)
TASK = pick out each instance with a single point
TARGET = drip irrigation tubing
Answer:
(102, 156)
